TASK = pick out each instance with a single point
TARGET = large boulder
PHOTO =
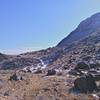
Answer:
(85, 84)
(51, 72)
(82, 66)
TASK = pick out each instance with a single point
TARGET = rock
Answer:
(80, 84)
(85, 84)
(91, 83)
(7, 93)
(38, 71)
(51, 72)
(97, 77)
(59, 72)
(87, 58)
(13, 77)
(98, 57)
(74, 72)
(82, 66)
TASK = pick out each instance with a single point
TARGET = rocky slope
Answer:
(31, 59)
(39, 87)
(84, 29)
(85, 48)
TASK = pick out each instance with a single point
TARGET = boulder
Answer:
(85, 84)
(38, 71)
(74, 72)
(7, 93)
(51, 72)
(91, 83)
(82, 66)
(15, 77)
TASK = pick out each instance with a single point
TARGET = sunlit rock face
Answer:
(84, 29)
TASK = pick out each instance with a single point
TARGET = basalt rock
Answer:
(82, 66)
(51, 72)
(85, 84)
(13, 77)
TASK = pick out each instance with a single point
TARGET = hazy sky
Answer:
(37, 24)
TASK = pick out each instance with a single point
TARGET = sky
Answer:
(29, 25)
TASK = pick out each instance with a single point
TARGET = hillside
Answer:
(86, 46)
(69, 71)
(87, 50)
(85, 28)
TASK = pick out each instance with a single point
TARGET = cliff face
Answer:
(84, 29)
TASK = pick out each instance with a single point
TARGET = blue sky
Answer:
(28, 25)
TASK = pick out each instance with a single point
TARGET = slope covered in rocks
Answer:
(87, 50)
(84, 29)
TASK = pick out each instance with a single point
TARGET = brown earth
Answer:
(38, 87)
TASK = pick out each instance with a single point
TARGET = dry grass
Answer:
(37, 87)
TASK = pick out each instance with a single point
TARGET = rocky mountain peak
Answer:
(85, 28)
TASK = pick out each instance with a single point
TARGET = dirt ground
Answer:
(39, 87)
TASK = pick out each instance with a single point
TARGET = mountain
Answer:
(85, 50)
(75, 68)
(85, 28)
(87, 35)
